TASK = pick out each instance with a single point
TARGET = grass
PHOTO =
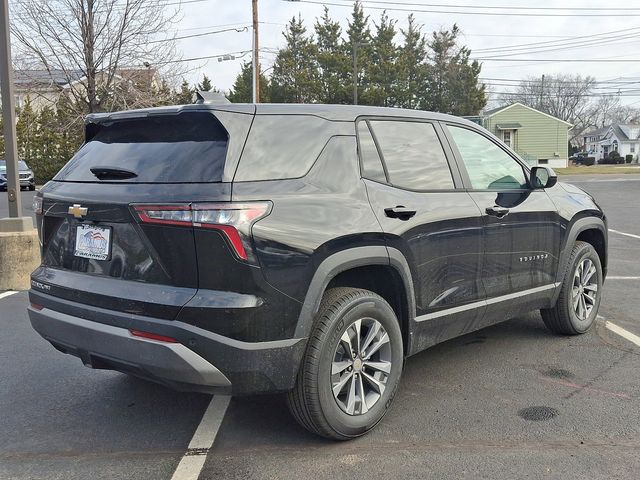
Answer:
(598, 169)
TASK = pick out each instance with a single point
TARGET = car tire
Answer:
(577, 306)
(32, 187)
(344, 315)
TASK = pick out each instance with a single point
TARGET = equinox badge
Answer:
(78, 211)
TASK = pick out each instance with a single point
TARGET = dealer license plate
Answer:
(92, 242)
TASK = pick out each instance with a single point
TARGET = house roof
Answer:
(44, 78)
(490, 113)
(599, 132)
(626, 132)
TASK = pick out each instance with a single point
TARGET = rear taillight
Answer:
(233, 220)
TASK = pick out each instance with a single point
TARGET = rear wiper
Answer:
(112, 173)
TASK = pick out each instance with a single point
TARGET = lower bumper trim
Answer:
(106, 346)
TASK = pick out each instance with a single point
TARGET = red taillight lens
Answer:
(152, 336)
(234, 220)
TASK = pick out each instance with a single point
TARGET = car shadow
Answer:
(265, 422)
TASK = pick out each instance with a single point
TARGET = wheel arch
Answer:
(592, 230)
(363, 267)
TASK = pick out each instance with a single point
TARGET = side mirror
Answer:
(543, 177)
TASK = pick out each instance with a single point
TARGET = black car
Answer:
(306, 249)
(27, 179)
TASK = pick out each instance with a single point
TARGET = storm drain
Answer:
(538, 414)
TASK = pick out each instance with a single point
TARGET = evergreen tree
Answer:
(205, 85)
(412, 67)
(333, 60)
(183, 96)
(384, 75)
(453, 84)
(295, 71)
(242, 90)
(359, 40)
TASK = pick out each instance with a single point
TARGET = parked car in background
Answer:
(27, 180)
(306, 249)
(578, 158)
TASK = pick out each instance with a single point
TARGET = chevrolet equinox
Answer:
(306, 249)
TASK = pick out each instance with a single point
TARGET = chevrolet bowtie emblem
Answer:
(78, 211)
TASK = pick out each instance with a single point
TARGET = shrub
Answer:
(628, 158)
(613, 158)
(589, 161)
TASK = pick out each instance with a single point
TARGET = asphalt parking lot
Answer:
(509, 401)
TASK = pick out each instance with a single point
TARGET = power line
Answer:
(462, 12)
(570, 40)
(243, 29)
(241, 54)
(557, 60)
(582, 44)
(495, 7)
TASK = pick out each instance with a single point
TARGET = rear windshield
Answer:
(185, 148)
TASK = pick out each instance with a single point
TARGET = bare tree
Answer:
(101, 48)
(567, 97)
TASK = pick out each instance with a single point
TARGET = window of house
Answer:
(633, 148)
(506, 137)
(489, 166)
(413, 155)
(543, 161)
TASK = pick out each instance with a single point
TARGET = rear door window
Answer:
(413, 155)
(185, 148)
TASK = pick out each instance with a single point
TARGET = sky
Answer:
(479, 32)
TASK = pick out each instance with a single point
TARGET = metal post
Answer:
(8, 114)
(256, 54)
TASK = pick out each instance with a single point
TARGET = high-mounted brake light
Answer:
(233, 220)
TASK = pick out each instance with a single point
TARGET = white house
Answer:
(592, 140)
(622, 138)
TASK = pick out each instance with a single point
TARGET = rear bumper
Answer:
(200, 361)
(105, 346)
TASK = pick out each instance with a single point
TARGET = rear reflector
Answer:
(36, 306)
(152, 336)
(233, 220)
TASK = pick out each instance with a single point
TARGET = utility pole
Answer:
(355, 69)
(355, 73)
(9, 115)
(256, 56)
(541, 92)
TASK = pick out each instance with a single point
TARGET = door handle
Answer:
(497, 211)
(399, 211)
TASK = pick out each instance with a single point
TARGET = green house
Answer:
(539, 138)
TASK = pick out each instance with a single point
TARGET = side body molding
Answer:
(343, 261)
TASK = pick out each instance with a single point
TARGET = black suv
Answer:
(306, 249)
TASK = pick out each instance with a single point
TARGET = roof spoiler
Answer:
(210, 97)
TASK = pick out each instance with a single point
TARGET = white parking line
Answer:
(193, 460)
(6, 294)
(625, 234)
(613, 277)
(623, 333)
